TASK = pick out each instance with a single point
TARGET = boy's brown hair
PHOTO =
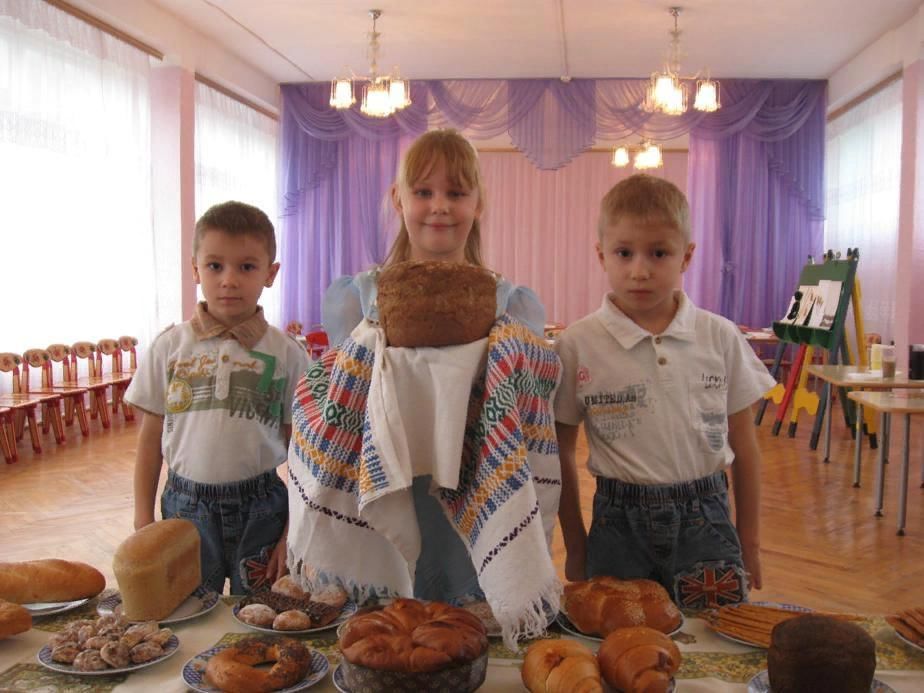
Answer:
(647, 199)
(237, 219)
(462, 166)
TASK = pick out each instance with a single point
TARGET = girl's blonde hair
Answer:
(463, 170)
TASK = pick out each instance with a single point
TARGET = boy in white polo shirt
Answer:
(664, 390)
(217, 394)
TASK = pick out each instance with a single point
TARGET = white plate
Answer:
(339, 682)
(48, 608)
(44, 658)
(349, 608)
(750, 643)
(568, 626)
(908, 642)
(761, 684)
(194, 671)
(201, 601)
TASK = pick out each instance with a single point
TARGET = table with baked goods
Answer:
(710, 662)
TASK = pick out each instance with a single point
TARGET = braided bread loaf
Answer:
(602, 604)
(560, 666)
(413, 636)
(638, 660)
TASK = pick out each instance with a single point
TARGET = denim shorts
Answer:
(239, 524)
(680, 535)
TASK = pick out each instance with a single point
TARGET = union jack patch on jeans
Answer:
(710, 585)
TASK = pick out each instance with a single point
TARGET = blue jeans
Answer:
(239, 524)
(680, 535)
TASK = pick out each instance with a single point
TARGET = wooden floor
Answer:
(822, 547)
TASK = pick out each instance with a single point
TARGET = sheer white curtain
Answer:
(236, 151)
(77, 238)
(863, 170)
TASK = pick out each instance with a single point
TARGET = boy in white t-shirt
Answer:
(217, 393)
(664, 390)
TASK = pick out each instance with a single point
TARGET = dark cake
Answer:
(434, 304)
(817, 654)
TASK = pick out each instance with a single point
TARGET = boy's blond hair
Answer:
(647, 199)
(463, 170)
(237, 219)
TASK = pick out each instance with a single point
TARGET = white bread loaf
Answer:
(157, 567)
(13, 619)
(49, 580)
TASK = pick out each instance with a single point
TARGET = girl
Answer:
(439, 197)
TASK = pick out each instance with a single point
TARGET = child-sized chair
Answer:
(40, 359)
(61, 353)
(86, 351)
(22, 407)
(118, 379)
(7, 435)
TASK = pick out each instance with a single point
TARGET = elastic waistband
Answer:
(236, 490)
(658, 493)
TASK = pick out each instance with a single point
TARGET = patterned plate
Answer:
(348, 610)
(568, 626)
(194, 671)
(339, 681)
(44, 658)
(908, 642)
(750, 643)
(761, 684)
(201, 601)
(48, 608)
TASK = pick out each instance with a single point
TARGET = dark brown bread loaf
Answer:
(434, 304)
(813, 653)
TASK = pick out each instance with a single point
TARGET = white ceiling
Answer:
(304, 40)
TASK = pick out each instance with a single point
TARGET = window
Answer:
(236, 160)
(78, 246)
(863, 172)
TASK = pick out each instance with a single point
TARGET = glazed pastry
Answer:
(135, 634)
(115, 654)
(65, 652)
(160, 637)
(89, 660)
(145, 652)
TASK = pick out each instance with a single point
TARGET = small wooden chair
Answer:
(117, 378)
(22, 406)
(127, 344)
(86, 351)
(7, 435)
(61, 353)
(40, 359)
(74, 398)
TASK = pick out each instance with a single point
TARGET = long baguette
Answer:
(49, 580)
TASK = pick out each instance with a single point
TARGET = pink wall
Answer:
(540, 227)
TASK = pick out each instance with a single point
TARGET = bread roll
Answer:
(49, 580)
(603, 604)
(157, 567)
(638, 660)
(560, 666)
(13, 619)
(434, 304)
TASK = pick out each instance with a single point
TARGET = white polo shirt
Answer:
(656, 408)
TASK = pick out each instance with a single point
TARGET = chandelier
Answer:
(667, 93)
(382, 94)
(647, 155)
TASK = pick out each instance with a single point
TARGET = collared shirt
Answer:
(655, 407)
(248, 333)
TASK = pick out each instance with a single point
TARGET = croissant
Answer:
(561, 666)
(602, 604)
(638, 660)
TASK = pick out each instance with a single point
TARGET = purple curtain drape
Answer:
(755, 176)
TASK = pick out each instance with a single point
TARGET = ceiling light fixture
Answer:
(647, 155)
(667, 92)
(382, 94)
